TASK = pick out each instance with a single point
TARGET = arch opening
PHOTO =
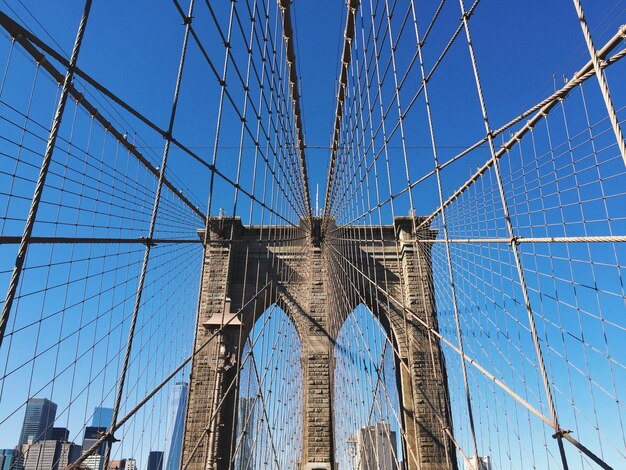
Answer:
(269, 407)
(368, 422)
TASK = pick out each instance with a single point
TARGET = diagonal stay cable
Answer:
(45, 165)
(537, 112)
(153, 220)
(548, 421)
(228, 96)
(106, 437)
(343, 83)
(295, 97)
(27, 41)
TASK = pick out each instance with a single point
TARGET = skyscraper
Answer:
(41, 455)
(96, 460)
(38, 420)
(246, 426)
(68, 453)
(155, 460)
(376, 448)
(60, 434)
(102, 417)
(123, 464)
(7, 458)
(48, 454)
(176, 407)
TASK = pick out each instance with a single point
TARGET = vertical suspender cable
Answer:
(43, 173)
(604, 86)
(144, 266)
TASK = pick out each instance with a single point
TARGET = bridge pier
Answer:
(298, 276)
(317, 436)
(317, 371)
(423, 380)
(212, 407)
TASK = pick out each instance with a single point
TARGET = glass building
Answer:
(176, 408)
(38, 420)
(102, 417)
(155, 460)
(7, 456)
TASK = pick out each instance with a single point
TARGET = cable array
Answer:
(463, 282)
(104, 303)
(525, 254)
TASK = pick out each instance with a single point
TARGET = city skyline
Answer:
(376, 448)
(48, 447)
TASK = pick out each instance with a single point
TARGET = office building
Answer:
(123, 464)
(49, 455)
(102, 417)
(176, 408)
(96, 460)
(155, 460)
(60, 434)
(7, 457)
(376, 448)
(481, 463)
(38, 420)
(41, 455)
(68, 453)
(247, 427)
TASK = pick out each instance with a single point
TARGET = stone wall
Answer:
(246, 269)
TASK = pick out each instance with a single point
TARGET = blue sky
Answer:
(133, 48)
(523, 51)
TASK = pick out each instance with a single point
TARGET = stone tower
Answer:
(246, 269)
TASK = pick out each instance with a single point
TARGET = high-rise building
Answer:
(96, 460)
(376, 448)
(176, 408)
(60, 434)
(102, 417)
(7, 458)
(38, 420)
(49, 455)
(480, 463)
(246, 426)
(41, 455)
(124, 464)
(155, 460)
(68, 453)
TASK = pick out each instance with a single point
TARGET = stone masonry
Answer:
(248, 268)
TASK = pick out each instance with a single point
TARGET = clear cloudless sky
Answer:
(132, 47)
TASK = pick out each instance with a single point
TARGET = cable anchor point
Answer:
(561, 433)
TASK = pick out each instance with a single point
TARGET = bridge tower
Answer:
(294, 275)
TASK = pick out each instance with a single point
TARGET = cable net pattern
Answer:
(525, 254)
(473, 253)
